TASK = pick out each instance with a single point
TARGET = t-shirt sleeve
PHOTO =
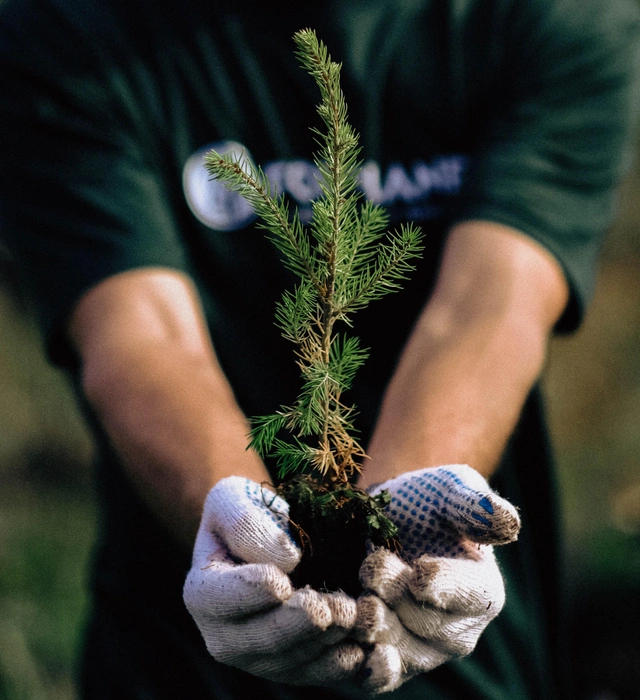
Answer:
(80, 194)
(561, 133)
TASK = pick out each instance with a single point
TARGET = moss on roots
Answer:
(333, 524)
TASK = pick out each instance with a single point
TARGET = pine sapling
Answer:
(343, 259)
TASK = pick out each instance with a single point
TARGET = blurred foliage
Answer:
(47, 517)
(592, 384)
(44, 545)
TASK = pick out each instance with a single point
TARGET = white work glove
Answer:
(242, 600)
(433, 605)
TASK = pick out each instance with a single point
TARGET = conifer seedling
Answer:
(343, 259)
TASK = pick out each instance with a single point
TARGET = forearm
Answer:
(454, 398)
(474, 355)
(177, 428)
(151, 374)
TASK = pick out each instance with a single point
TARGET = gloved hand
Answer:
(242, 600)
(433, 605)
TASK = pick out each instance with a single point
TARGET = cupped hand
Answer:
(432, 603)
(240, 596)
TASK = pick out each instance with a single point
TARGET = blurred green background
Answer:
(592, 381)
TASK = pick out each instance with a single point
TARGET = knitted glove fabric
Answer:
(430, 606)
(242, 600)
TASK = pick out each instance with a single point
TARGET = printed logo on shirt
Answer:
(417, 193)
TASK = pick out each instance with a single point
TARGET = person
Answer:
(501, 127)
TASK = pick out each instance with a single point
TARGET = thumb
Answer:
(252, 521)
(473, 507)
(436, 507)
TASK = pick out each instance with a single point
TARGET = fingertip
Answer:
(424, 570)
(345, 661)
(375, 622)
(503, 520)
(487, 518)
(343, 609)
(382, 670)
(313, 605)
(338, 664)
(386, 574)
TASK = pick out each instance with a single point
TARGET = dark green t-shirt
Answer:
(512, 111)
